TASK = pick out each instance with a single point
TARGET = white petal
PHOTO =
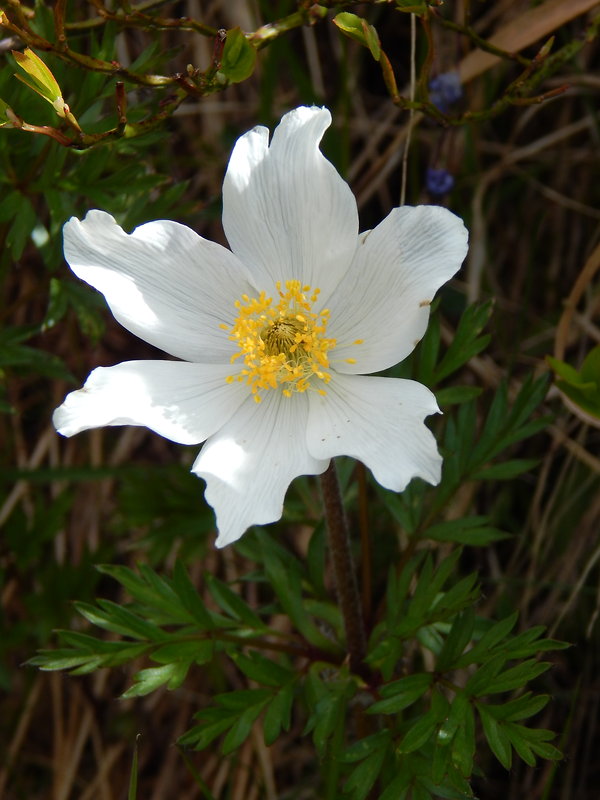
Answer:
(162, 282)
(286, 211)
(384, 299)
(380, 422)
(181, 401)
(249, 464)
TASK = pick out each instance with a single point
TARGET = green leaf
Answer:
(419, 733)
(363, 777)
(528, 741)
(506, 425)
(329, 715)
(590, 369)
(189, 597)
(565, 371)
(149, 590)
(454, 395)
(241, 729)
(215, 721)
(478, 682)
(87, 305)
(278, 715)
(20, 230)
(547, 751)
(10, 205)
(4, 117)
(418, 7)
(463, 743)
(148, 680)
(40, 78)
(50, 660)
(582, 387)
(233, 604)
(456, 598)
(197, 652)
(521, 747)
(261, 669)
(285, 580)
(87, 653)
(420, 792)
(428, 350)
(456, 641)
(474, 531)
(239, 57)
(466, 342)
(495, 634)
(496, 737)
(118, 619)
(439, 790)
(29, 359)
(401, 694)
(398, 788)
(133, 778)
(395, 504)
(518, 676)
(528, 643)
(506, 470)
(520, 708)
(440, 761)
(329, 707)
(430, 583)
(386, 652)
(243, 698)
(358, 29)
(364, 747)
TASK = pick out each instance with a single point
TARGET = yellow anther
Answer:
(281, 345)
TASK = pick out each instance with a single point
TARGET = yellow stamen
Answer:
(281, 345)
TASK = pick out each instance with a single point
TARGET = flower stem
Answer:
(343, 567)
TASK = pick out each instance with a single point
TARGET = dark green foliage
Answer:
(425, 714)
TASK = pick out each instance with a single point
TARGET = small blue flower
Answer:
(444, 90)
(438, 181)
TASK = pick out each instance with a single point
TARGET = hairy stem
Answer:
(343, 567)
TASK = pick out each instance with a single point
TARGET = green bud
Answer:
(239, 57)
(40, 79)
(358, 29)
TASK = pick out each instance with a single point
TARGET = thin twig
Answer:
(411, 113)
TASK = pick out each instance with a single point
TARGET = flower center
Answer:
(282, 344)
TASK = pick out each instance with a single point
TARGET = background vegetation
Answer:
(516, 155)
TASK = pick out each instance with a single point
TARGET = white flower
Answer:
(276, 335)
